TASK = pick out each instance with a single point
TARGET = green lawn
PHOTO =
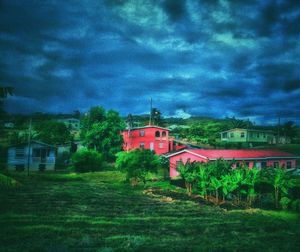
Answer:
(99, 212)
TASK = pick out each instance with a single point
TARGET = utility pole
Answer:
(29, 143)
(278, 130)
(150, 120)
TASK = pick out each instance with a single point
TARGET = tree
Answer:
(281, 182)
(156, 117)
(52, 132)
(203, 179)
(189, 173)
(137, 164)
(101, 131)
(289, 129)
(87, 160)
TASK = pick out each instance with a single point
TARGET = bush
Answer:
(295, 205)
(284, 202)
(137, 164)
(87, 161)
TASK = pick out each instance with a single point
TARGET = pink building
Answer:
(149, 137)
(251, 158)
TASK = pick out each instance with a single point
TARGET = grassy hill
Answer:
(100, 212)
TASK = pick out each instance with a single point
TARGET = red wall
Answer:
(185, 156)
(182, 157)
(160, 144)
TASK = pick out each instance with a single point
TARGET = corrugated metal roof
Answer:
(237, 154)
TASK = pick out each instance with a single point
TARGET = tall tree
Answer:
(101, 131)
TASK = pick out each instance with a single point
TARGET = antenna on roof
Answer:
(150, 119)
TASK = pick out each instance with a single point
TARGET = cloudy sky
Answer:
(210, 58)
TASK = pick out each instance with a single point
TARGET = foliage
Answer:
(52, 132)
(137, 164)
(295, 205)
(284, 202)
(101, 131)
(8, 182)
(189, 173)
(86, 160)
(243, 186)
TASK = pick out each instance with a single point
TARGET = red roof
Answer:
(240, 154)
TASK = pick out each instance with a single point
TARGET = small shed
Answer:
(39, 155)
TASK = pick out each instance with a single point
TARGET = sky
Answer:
(208, 58)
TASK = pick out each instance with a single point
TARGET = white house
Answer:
(41, 156)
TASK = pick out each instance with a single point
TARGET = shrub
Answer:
(87, 161)
(295, 205)
(137, 164)
(284, 202)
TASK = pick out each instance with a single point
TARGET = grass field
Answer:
(99, 212)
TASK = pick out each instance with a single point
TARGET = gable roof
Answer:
(236, 154)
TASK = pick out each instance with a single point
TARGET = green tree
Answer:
(203, 179)
(216, 184)
(86, 160)
(52, 132)
(101, 131)
(189, 173)
(137, 164)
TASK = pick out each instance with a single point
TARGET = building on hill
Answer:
(41, 156)
(249, 136)
(71, 123)
(149, 137)
(251, 158)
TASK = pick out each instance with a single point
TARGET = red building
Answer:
(149, 137)
(251, 158)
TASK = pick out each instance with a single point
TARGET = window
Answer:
(20, 153)
(242, 134)
(224, 135)
(275, 164)
(257, 165)
(142, 145)
(247, 164)
(157, 134)
(142, 133)
(264, 135)
(263, 164)
(164, 135)
(251, 134)
(161, 145)
(288, 164)
(231, 135)
(257, 135)
(237, 165)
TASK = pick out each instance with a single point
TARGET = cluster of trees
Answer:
(101, 131)
(218, 182)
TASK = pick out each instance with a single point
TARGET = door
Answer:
(151, 146)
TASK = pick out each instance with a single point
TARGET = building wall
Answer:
(183, 157)
(147, 141)
(235, 136)
(13, 160)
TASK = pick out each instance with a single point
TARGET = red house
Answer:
(251, 158)
(149, 137)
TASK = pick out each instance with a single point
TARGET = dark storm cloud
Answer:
(215, 58)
